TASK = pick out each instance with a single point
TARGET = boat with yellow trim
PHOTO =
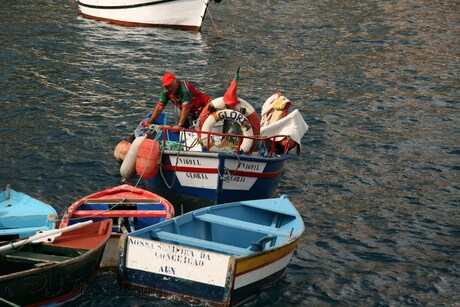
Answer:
(220, 255)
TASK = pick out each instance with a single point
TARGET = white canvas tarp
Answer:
(292, 125)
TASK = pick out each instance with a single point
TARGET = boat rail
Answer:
(269, 141)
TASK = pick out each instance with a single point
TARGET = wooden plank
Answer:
(30, 256)
(123, 201)
(221, 220)
(118, 213)
(200, 243)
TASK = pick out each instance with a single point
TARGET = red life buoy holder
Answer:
(232, 115)
(147, 158)
(243, 107)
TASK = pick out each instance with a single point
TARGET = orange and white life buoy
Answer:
(243, 107)
(147, 158)
(232, 115)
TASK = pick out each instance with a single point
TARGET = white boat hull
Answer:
(204, 178)
(182, 14)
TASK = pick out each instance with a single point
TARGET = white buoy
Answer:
(128, 167)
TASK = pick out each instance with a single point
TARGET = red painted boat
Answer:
(130, 208)
(52, 273)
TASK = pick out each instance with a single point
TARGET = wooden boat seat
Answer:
(221, 220)
(200, 243)
(118, 213)
(122, 201)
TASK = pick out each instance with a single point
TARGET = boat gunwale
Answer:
(109, 7)
(240, 137)
(226, 155)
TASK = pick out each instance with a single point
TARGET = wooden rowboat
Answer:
(220, 255)
(53, 273)
(129, 207)
(22, 216)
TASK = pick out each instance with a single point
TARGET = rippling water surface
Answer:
(377, 181)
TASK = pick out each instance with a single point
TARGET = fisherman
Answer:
(185, 96)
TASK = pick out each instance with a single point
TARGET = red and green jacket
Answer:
(187, 96)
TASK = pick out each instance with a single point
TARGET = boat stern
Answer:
(193, 275)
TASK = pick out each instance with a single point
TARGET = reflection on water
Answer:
(134, 58)
(376, 81)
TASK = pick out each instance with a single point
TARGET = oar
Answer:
(47, 236)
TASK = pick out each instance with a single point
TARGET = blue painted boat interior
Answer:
(22, 216)
(131, 224)
(236, 229)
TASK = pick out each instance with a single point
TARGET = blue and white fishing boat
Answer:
(210, 165)
(220, 255)
(21, 216)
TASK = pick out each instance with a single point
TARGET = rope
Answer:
(177, 161)
(227, 176)
(213, 23)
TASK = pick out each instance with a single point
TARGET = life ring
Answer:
(243, 107)
(232, 115)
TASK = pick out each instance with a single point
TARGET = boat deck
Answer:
(31, 257)
(253, 237)
(221, 220)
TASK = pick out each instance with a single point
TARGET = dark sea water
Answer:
(377, 181)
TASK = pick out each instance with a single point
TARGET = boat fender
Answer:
(232, 115)
(128, 167)
(121, 150)
(147, 158)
